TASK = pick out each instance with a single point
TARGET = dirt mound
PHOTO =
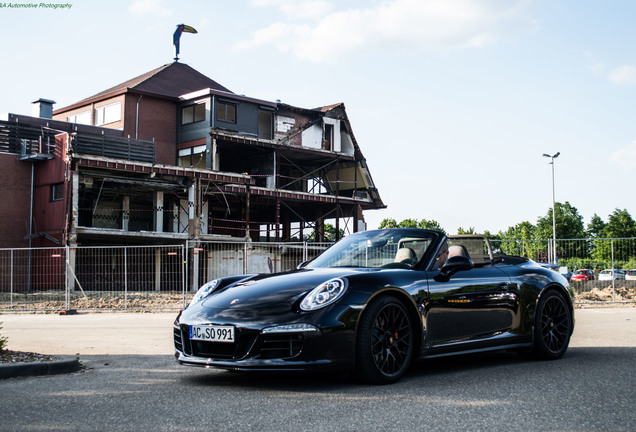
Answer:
(607, 295)
(98, 301)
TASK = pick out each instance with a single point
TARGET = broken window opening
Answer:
(193, 157)
(328, 140)
(265, 124)
(316, 186)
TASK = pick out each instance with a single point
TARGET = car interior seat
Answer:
(458, 250)
(406, 255)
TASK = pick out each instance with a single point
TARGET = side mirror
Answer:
(453, 265)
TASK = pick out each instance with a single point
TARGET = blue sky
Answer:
(453, 102)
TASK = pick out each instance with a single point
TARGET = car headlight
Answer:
(323, 295)
(204, 291)
(291, 328)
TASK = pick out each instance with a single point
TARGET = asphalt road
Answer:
(133, 383)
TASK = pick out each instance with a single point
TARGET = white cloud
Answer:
(625, 157)
(149, 7)
(406, 24)
(625, 74)
(298, 9)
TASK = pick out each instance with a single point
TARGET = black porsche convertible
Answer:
(374, 302)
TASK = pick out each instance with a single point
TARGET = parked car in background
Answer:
(566, 273)
(582, 275)
(611, 274)
(631, 274)
(563, 271)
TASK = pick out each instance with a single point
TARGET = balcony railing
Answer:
(114, 147)
(26, 141)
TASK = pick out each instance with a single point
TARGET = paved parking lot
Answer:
(151, 333)
(133, 383)
(90, 333)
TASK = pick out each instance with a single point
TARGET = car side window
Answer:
(441, 257)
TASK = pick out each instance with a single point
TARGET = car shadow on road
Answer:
(447, 370)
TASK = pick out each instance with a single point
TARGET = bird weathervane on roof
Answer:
(177, 37)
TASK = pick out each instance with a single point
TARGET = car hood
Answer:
(262, 296)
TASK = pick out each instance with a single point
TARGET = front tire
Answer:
(385, 342)
(553, 327)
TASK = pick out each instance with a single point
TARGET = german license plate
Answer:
(212, 333)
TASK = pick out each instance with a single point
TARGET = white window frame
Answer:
(83, 117)
(108, 114)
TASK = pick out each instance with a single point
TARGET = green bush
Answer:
(3, 340)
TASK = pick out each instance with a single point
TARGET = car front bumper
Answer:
(329, 347)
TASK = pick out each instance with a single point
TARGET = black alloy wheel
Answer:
(384, 347)
(553, 326)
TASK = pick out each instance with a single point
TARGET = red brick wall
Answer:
(15, 198)
(49, 215)
(158, 120)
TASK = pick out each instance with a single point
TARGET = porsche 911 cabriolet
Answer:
(373, 303)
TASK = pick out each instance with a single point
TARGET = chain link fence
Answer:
(133, 277)
(166, 277)
(605, 262)
(91, 278)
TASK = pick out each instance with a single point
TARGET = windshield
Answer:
(396, 248)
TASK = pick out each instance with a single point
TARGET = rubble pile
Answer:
(607, 295)
(98, 301)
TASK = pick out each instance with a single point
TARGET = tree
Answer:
(595, 227)
(523, 233)
(388, 223)
(492, 236)
(620, 225)
(411, 223)
(330, 234)
(470, 230)
(569, 223)
(597, 249)
(408, 223)
(430, 224)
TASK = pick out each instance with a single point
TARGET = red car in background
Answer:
(583, 275)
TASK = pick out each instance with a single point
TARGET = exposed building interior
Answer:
(173, 155)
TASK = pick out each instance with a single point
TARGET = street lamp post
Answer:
(552, 158)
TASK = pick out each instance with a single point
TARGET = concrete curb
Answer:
(55, 367)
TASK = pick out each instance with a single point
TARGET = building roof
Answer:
(329, 107)
(170, 80)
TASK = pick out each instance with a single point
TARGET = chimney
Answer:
(43, 108)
